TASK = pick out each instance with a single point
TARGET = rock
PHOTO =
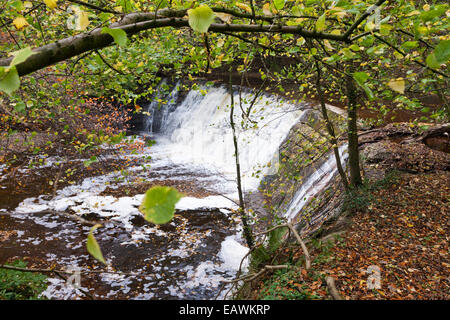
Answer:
(310, 117)
(377, 152)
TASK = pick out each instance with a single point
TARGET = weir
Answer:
(198, 131)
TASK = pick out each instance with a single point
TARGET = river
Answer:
(189, 257)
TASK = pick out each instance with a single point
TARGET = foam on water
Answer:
(198, 131)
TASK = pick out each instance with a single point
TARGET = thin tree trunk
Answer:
(330, 129)
(352, 131)
(247, 231)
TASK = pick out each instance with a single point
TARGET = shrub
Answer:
(283, 286)
(19, 285)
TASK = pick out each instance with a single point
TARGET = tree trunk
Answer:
(352, 131)
(247, 230)
(330, 129)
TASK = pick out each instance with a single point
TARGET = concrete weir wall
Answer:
(307, 188)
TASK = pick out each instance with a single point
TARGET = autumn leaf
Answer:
(224, 17)
(82, 21)
(20, 22)
(51, 3)
(266, 9)
(244, 7)
(397, 85)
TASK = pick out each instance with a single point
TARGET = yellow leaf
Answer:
(370, 26)
(20, 22)
(397, 85)
(413, 13)
(51, 3)
(266, 9)
(224, 17)
(328, 44)
(244, 7)
(82, 21)
(339, 12)
(301, 41)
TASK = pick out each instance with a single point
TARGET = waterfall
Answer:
(158, 110)
(198, 131)
(314, 183)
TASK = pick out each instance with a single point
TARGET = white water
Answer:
(198, 131)
(314, 184)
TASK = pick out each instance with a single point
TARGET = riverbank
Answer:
(395, 230)
(403, 234)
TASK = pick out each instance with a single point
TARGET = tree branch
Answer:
(93, 40)
(106, 62)
(332, 288)
(94, 7)
(404, 54)
(368, 12)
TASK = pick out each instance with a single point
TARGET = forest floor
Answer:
(403, 234)
(391, 240)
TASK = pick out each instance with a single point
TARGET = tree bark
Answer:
(330, 128)
(352, 131)
(247, 230)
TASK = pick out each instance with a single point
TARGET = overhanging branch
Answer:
(70, 47)
(137, 22)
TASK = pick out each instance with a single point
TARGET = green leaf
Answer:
(17, 4)
(348, 53)
(385, 29)
(432, 61)
(360, 77)
(409, 45)
(120, 36)
(20, 106)
(93, 159)
(163, 4)
(158, 205)
(368, 92)
(21, 56)
(296, 11)
(320, 23)
(9, 80)
(278, 4)
(442, 51)
(201, 18)
(92, 245)
(433, 13)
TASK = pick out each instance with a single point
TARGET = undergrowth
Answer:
(19, 285)
(283, 286)
(359, 199)
(288, 283)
